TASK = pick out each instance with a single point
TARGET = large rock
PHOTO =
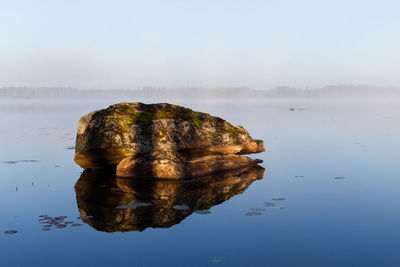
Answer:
(161, 141)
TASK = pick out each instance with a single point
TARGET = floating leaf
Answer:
(269, 204)
(203, 212)
(257, 209)
(9, 232)
(18, 161)
(252, 213)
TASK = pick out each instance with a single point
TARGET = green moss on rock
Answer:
(125, 115)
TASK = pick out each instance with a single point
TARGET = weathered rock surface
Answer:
(161, 141)
(168, 166)
(110, 201)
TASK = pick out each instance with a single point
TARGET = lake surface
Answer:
(328, 197)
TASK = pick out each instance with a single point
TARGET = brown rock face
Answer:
(120, 205)
(161, 141)
(169, 167)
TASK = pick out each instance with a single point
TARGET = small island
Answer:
(162, 141)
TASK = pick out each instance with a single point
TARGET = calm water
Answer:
(332, 173)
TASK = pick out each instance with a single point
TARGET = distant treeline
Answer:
(337, 91)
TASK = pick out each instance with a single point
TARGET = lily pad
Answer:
(257, 209)
(203, 212)
(10, 232)
(180, 207)
(252, 213)
(18, 161)
(269, 204)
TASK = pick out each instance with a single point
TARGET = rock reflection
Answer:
(100, 203)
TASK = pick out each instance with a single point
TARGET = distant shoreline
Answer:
(336, 91)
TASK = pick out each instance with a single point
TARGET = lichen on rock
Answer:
(161, 141)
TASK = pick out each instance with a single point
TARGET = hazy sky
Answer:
(212, 43)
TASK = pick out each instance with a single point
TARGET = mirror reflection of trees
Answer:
(117, 204)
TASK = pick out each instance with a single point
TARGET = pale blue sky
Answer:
(212, 43)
